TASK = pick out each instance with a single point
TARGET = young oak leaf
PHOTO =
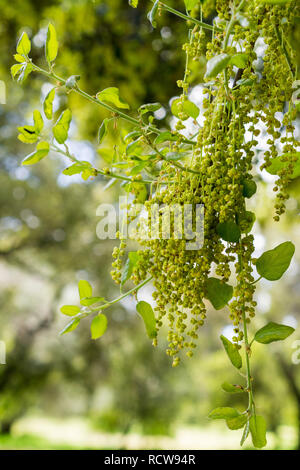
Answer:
(273, 332)
(218, 292)
(232, 352)
(24, 45)
(48, 104)
(70, 310)
(62, 126)
(42, 150)
(51, 44)
(112, 95)
(272, 264)
(146, 312)
(98, 326)
(258, 431)
(84, 289)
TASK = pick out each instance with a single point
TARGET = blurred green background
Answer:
(117, 392)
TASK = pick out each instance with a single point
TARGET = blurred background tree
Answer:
(48, 242)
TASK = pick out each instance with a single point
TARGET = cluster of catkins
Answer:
(238, 100)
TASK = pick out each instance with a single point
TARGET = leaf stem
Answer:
(189, 18)
(251, 405)
(121, 297)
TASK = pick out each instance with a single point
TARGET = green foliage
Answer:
(98, 326)
(70, 310)
(280, 164)
(215, 65)
(152, 13)
(84, 289)
(111, 95)
(216, 172)
(223, 413)
(48, 104)
(237, 422)
(51, 44)
(42, 150)
(190, 4)
(147, 314)
(229, 231)
(62, 126)
(249, 188)
(180, 108)
(232, 352)
(258, 431)
(218, 292)
(229, 388)
(273, 332)
(272, 264)
(24, 45)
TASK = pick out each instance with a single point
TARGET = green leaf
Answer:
(98, 326)
(42, 150)
(132, 260)
(245, 82)
(273, 332)
(132, 136)
(75, 169)
(224, 412)
(133, 3)
(24, 45)
(240, 60)
(246, 221)
(186, 107)
(70, 326)
(147, 314)
(70, 310)
(272, 264)
(84, 289)
(38, 121)
(22, 72)
(245, 433)
(149, 108)
(19, 58)
(62, 126)
(277, 164)
(164, 137)
(249, 188)
(16, 69)
(232, 352)
(152, 14)
(27, 134)
(86, 302)
(216, 64)
(218, 292)
(229, 388)
(111, 95)
(190, 4)
(237, 423)
(51, 44)
(229, 231)
(102, 130)
(134, 147)
(258, 430)
(48, 104)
